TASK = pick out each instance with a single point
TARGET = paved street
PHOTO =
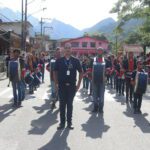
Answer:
(34, 126)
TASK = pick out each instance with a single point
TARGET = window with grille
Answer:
(75, 44)
(93, 44)
(84, 44)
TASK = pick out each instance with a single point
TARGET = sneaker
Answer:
(70, 127)
(60, 127)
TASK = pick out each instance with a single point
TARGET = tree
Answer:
(129, 9)
(98, 35)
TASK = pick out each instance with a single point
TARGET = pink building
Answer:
(86, 45)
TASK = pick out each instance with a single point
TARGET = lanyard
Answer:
(68, 64)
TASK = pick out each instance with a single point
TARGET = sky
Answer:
(78, 13)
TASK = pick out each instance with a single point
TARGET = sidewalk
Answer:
(2, 75)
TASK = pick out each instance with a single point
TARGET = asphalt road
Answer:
(34, 126)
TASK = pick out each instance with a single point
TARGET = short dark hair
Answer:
(16, 50)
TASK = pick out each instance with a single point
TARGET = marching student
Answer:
(15, 69)
(129, 66)
(139, 81)
(98, 80)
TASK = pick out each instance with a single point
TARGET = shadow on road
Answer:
(95, 126)
(44, 107)
(139, 119)
(58, 142)
(5, 111)
(110, 90)
(41, 125)
(120, 99)
(83, 95)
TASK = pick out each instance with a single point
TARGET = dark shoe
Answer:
(60, 127)
(127, 101)
(53, 106)
(139, 111)
(95, 108)
(31, 92)
(135, 111)
(70, 127)
(131, 99)
(14, 105)
(19, 104)
(101, 111)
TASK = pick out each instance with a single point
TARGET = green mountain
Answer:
(107, 26)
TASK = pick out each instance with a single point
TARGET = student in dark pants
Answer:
(65, 71)
(15, 69)
(129, 65)
(137, 94)
(121, 81)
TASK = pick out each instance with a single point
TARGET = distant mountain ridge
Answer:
(100, 26)
(62, 30)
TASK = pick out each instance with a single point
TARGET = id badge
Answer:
(68, 72)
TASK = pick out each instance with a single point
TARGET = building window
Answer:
(84, 44)
(100, 43)
(92, 44)
(75, 44)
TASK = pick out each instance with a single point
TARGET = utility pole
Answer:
(41, 33)
(42, 30)
(25, 26)
(22, 25)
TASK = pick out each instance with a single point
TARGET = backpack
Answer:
(14, 68)
(141, 82)
(98, 72)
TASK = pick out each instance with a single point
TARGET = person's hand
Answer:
(77, 87)
(56, 87)
(132, 82)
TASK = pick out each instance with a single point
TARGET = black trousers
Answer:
(121, 86)
(129, 89)
(66, 95)
(137, 101)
